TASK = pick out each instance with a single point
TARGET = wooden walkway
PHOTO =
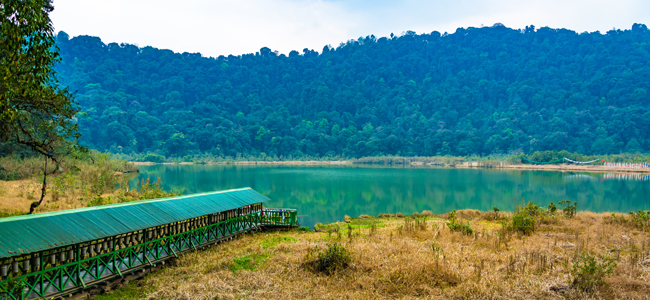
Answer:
(59, 271)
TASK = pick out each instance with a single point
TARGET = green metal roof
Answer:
(32, 233)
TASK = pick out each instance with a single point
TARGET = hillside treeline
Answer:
(480, 91)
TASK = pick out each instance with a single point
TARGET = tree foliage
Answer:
(477, 91)
(34, 112)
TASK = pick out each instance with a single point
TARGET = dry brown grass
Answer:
(398, 260)
(82, 179)
(17, 195)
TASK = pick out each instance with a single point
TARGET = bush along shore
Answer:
(89, 179)
(548, 160)
(537, 252)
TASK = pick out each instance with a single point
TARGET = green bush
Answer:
(333, 259)
(98, 200)
(156, 158)
(455, 225)
(569, 208)
(496, 212)
(303, 229)
(523, 223)
(9, 175)
(531, 209)
(526, 217)
(640, 219)
(589, 272)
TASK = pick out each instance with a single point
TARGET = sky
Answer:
(223, 27)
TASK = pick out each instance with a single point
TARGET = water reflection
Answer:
(607, 176)
(327, 193)
(626, 176)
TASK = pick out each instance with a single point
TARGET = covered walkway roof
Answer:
(32, 233)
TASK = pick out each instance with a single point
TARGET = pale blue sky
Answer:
(222, 27)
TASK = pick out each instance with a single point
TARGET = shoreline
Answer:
(252, 162)
(466, 165)
(565, 167)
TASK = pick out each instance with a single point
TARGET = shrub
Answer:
(436, 248)
(427, 214)
(98, 200)
(156, 158)
(615, 219)
(530, 209)
(526, 217)
(569, 208)
(333, 259)
(552, 208)
(589, 272)
(523, 223)
(303, 229)
(9, 175)
(454, 225)
(640, 219)
(496, 212)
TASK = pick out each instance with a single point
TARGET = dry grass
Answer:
(17, 195)
(404, 258)
(82, 180)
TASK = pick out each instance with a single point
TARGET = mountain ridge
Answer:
(477, 91)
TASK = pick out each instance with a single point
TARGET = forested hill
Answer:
(476, 91)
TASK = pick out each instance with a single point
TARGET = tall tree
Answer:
(34, 111)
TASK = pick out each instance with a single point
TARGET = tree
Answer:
(423, 94)
(34, 111)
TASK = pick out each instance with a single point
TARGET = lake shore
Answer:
(575, 168)
(279, 162)
(561, 167)
(398, 257)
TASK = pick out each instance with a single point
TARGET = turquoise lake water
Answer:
(328, 193)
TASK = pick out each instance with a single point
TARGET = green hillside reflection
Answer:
(327, 193)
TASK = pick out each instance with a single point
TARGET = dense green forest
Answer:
(483, 91)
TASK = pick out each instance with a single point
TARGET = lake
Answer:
(328, 193)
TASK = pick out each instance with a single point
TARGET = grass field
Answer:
(91, 180)
(586, 256)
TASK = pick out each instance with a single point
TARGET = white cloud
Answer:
(244, 26)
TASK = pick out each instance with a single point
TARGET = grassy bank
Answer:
(92, 179)
(532, 253)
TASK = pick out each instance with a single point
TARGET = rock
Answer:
(560, 289)
(80, 296)
(566, 245)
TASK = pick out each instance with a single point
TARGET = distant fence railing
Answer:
(279, 217)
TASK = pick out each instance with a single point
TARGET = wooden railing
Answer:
(60, 271)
